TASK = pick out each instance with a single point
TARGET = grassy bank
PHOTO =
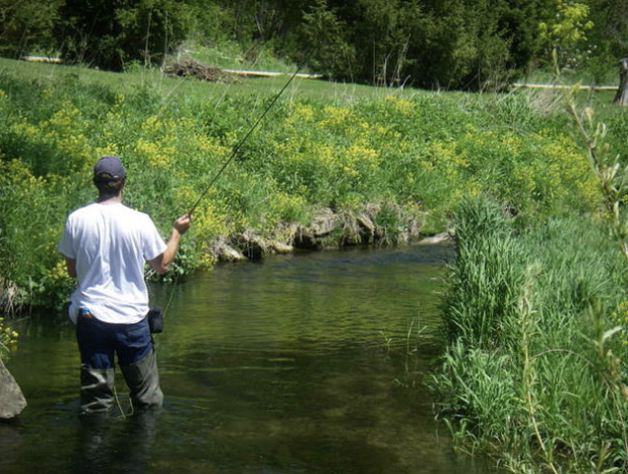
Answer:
(536, 324)
(398, 160)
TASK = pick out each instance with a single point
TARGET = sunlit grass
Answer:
(406, 158)
(191, 89)
(535, 362)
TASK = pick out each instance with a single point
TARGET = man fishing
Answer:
(106, 245)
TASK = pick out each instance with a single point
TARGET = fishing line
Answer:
(235, 151)
(239, 145)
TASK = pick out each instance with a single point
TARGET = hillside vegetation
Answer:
(404, 158)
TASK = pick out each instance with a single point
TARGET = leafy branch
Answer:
(610, 172)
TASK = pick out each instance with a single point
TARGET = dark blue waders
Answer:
(132, 344)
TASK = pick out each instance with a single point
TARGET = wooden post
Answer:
(621, 98)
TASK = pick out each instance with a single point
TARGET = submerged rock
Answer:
(328, 228)
(279, 247)
(12, 401)
(251, 245)
(311, 238)
(323, 223)
(229, 254)
(303, 239)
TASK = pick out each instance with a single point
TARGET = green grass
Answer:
(177, 89)
(534, 366)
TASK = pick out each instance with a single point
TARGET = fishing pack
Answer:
(156, 320)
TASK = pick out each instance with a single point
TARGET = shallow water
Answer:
(308, 363)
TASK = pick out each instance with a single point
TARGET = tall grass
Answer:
(535, 323)
(485, 282)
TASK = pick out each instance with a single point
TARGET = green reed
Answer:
(533, 368)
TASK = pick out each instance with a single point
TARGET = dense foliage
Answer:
(536, 326)
(108, 34)
(413, 157)
(461, 44)
(537, 340)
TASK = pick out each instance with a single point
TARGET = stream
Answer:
(310, 363)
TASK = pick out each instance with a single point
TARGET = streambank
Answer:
(328, 229)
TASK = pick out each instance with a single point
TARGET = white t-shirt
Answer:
(110, 243)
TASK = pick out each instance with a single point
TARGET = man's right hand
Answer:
(162, 262)
(182, 224)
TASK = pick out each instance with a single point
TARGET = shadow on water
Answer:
(302, 364)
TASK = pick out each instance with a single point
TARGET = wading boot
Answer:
(142, 378)
(96, 390)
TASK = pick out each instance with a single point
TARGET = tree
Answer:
(328, 50)
(563, 32)
(26, 25)
(621, 98)
(379, 41)
(467, 44)
(617, 27)
(110, 34)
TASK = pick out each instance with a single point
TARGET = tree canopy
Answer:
(461, 44)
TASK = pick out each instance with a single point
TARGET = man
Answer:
(106, 245)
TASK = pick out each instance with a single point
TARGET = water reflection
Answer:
(106, 444)
(297, 365)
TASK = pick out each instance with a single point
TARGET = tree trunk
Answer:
(621, 98)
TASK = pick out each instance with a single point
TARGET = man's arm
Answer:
(162, 262)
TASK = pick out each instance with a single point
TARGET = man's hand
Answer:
(182, 224)
(163, 261)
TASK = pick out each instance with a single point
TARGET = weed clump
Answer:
(535, 325)
(8, 339)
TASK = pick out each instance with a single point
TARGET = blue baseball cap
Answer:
(109, 168)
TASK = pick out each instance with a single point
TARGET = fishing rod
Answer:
(235, 151)
(239, 145)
